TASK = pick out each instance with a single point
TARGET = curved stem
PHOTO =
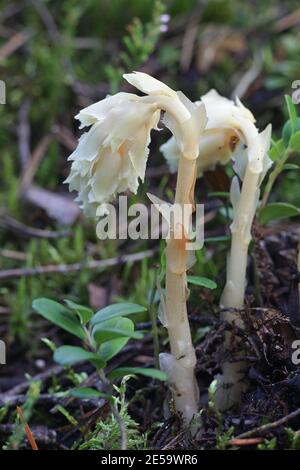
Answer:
(232, 381)
(180, 364)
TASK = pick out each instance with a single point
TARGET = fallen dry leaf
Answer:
(57, 206)
(97, 296)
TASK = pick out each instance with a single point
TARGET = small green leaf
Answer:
(277, 210)
(59, 315)
(84, 313)
(69, 355)
(51, 345)
(87, 392)
(288, 133)
(277, 150)
(202, 281)
(111, 348)
(295, 141)
(291, 166)
(122, 371)
(292, 113)
(116, 310)
(115, 328)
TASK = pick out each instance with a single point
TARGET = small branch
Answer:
(270, 426)
(34, 162)
(68, 268)
(289, 21)
(27, 430)
(246, 442)
(14, 43)
(9, 223)
(249, 77)
(18, 389)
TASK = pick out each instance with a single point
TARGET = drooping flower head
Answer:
(230, 132)
(111, 156)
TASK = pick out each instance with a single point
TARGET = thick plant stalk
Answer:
(233, 382)
(244, 211)
(111, 158)
(180, 364)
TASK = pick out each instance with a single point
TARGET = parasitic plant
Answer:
(231, 133)
(110, 158)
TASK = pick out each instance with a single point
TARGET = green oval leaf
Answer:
(277, 150)
(292, 112)
(59, 315)
(122, 371)
(115, 328)
(289, 132)
(116, 310)
(202, 281)
(84, 313)
(277, 210)
(69, 355)
(111, 348)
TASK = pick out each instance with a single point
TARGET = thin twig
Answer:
(270, 426)
(9, 223)
(67, 268)
(246, 442)
(42, 376)
(27, 430)
(289, 21)
(249, 77)
(33, 164)
(16, 41)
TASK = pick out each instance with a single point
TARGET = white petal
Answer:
(98, 111)
(235, 192)
(149, 85)
(89, 144)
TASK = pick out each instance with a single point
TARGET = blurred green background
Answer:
(59, 56)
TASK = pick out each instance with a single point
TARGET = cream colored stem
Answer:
(182, 363)
(233, 383)
(234, 292)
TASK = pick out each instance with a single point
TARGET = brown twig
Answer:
(16, 41)
(34, 162)
(65, 136)
(67, 268)
(27, 430)
(246, 442)
(9, 223)
(292, 19)
(270, 426)
(13, 254)
(42, 376)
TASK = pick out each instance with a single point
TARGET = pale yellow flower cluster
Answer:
(111, 156)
